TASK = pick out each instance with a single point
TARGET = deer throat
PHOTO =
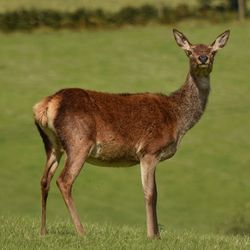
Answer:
(190, 101)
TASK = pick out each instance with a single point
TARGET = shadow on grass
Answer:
(239, 224)
(62, 228)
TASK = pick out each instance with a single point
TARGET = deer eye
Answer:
(188, 52)
(213, 53)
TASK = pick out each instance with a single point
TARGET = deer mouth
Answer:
(203, 65)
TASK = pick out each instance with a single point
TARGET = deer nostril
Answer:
(202, 58)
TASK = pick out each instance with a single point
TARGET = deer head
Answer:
(201, 56)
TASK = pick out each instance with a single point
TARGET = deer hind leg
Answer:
(75, 159)
(148, 166)
(49, 171)
(54, 153)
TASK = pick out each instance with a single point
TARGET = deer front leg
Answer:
(148, 166)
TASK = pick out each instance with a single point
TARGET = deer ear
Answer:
(181, 40)
(220, 41)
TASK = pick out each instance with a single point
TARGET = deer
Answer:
(126, 129)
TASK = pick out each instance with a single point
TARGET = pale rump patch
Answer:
(52, 109)
(40, 112)
(45, 112)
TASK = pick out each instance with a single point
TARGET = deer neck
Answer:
(190, 100)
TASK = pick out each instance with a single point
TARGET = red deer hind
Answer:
(122, 129)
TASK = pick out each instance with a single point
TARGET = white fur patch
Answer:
(40, 112)
(52, 112)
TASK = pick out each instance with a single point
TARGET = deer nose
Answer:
(202, 58)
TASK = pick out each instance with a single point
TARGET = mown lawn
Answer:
(205, 187)
(21, 233)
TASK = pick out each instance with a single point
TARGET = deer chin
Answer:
(203, 66)
(202, 70)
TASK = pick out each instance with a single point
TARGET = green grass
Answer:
(21, 233)
(203, 188)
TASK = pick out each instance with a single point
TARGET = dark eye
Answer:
(213, 53)
(188, 52)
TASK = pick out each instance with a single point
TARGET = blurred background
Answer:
(128, 46)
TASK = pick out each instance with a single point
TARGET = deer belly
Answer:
(112, 155)
(168, 151)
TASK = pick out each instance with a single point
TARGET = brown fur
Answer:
(121, 123)
(121, 129)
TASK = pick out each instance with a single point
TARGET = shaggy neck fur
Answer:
(190, 100)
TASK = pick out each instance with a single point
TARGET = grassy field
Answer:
(204, 188)
(21, 233)
(111, 5)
